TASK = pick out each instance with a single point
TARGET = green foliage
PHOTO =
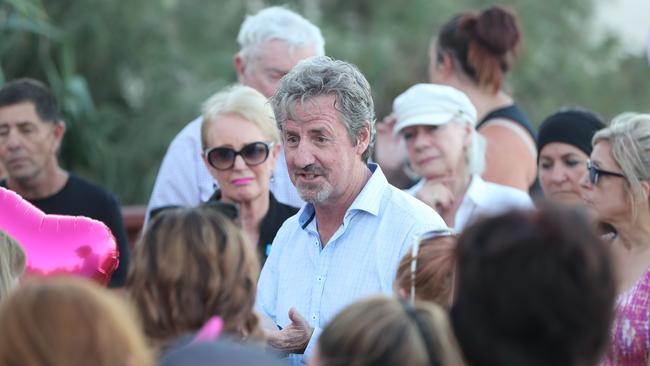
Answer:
(131, 74)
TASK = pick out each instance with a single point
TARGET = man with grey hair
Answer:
(272, 42)
(347, 241)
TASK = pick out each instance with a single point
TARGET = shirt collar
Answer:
(476, 192)
(367, 200)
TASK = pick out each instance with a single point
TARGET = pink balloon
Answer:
(58, 244)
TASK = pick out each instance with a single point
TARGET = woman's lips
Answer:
(426, 160)
(241, 181)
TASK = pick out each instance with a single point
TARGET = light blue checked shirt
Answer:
(360, 259)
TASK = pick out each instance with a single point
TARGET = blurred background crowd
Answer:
(130, 75)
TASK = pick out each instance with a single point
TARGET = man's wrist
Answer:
(304, 346)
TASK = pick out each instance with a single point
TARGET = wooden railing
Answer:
(133, 217)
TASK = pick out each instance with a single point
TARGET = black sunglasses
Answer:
(229, 210)
(223, 158)
(595, 173)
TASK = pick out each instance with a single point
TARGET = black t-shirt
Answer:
(277, 214)
(79, 197)
(516, 115)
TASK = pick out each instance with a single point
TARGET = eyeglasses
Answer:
(433, 234)
(595, 173)
(223, 158)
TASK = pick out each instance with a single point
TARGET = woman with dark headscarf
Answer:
(564, 146)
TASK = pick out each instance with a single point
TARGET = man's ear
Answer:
(446, 65)
(240, 66)
(363, 138)
(59, 131)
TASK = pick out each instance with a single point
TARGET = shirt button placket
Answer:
(318, 285)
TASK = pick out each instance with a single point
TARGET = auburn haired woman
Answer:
(473, 52)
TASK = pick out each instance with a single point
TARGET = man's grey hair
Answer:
(321, 76)
(278, 23)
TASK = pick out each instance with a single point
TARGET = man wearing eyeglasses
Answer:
(31, 131)
(272, 42)
(346, 242)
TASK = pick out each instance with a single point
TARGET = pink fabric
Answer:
(631, 329)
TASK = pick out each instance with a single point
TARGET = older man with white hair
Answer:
(272, 42)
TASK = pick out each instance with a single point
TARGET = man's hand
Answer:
(389, 153)
(295, 337)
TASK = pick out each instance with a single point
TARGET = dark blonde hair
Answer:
(629, 136)
(434, 271)
(385, 331)
(12, 263)
(192, 264)
(67, 321)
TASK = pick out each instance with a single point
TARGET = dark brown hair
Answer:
(483, 44)
(533, 281)
(192, 264)
(33, 91)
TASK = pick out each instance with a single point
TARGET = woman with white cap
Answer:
(437, 124)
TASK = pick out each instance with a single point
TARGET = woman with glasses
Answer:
(437, 125)
(564, 146)
(241, 144)
(617, 187)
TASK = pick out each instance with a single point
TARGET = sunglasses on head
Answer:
(433, 234)
(229, 210)
(595, 173)
(223, 158)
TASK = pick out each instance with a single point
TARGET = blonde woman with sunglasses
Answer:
(617, 186)
(241, 144)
